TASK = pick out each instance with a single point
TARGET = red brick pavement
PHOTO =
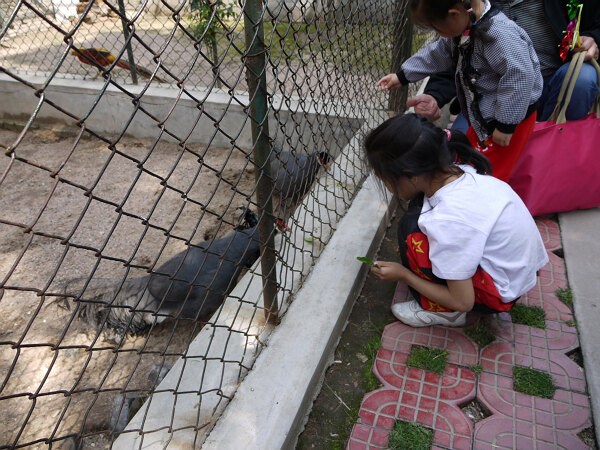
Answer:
(517, 420)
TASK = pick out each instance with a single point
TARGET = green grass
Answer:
(344, 432)
(476, 369)
(408, 435)
(418, 41)
(571, 323)
(565, 295)
(429, 359)
(534, 316)
(371, 381)
(480, 334)
(301, 42)
(533, 382)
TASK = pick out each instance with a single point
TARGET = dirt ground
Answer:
(59, 221)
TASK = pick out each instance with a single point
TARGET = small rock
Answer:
(362, 357)
(69, 444)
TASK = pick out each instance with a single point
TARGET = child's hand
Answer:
(501, 138)
(388, 82)
(389, 271)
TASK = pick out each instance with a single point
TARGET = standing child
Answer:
(470, 244)
(497, 74)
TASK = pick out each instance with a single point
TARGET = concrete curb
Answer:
(269, 408)
(580, 232)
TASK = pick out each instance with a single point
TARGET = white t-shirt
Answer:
(478, 220)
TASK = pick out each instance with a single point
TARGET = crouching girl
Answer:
(467, 241)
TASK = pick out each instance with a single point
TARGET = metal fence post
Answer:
(256, 78)
(128, 42)
(403, 31)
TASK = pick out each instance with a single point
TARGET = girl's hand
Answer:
(388, 82)
(501, 138)
(588, 45)
(389, 271)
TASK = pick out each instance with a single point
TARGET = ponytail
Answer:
(461, 152)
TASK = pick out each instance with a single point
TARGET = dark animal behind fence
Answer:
(190, 285)
(293, 175)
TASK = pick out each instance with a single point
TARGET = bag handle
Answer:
(596, 106)
(568, 85)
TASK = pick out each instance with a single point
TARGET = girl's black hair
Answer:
(410, 145)
(426, 13)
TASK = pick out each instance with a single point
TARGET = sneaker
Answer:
(412, 314)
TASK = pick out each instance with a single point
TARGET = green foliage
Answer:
(534, 316)
(206, 18)
(476, 369)
(533, 382)
(430, 359)
(480, 334)
(364, 259)
(565, 295)
(571, 323)
(418, 41)
(408, 435)
(371, 381)
(289, 40)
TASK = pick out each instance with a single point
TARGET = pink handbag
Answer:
(559, 169)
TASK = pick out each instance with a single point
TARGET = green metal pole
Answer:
(129, 49)
(257, 89)
(403, 32)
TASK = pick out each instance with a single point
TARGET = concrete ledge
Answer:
(580, 232)
(210, 117)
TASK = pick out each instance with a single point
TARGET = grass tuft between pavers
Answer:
(565, 295)
(371, 381)
(476, 369)
(571, 323)
(409, 435)
(533, 316)
(533, 382)
(480, 334)
(429, 359)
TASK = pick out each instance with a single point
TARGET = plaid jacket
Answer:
(502, 82)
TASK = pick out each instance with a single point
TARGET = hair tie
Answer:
(472, 18)
(448, 133)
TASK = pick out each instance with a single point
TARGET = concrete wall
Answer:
(216, 118)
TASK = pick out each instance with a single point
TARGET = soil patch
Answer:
(83, 209)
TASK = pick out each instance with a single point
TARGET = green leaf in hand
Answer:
(366, 260)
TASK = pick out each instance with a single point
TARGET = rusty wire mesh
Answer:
(121, 229)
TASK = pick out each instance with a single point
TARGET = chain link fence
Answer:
(171, 170)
